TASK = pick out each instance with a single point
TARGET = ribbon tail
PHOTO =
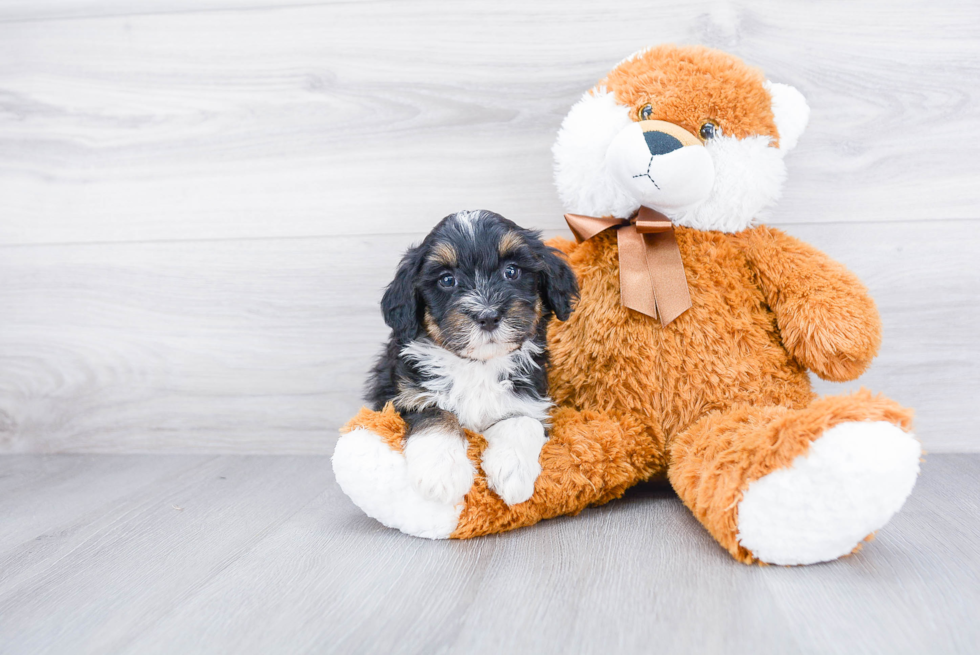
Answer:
(586, 227)
(666, 271)
(635, 283)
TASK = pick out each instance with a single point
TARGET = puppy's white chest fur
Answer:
(479, 392)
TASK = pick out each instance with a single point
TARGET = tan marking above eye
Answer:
(509, 243)
(443, 253)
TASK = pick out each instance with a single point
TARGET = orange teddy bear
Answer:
(687, 355)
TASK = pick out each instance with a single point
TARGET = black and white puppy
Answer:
(468, 310)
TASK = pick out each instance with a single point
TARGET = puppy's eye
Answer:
(512, 272)
(709, 130)
(447, 281)
(646, 111)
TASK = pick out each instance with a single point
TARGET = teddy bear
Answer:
(687, 354)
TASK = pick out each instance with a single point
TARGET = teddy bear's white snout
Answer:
(658, 171)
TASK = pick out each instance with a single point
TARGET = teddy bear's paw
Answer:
(510, 460)
(438, 467)
(834, 339)
(376, 478)
(852, 480)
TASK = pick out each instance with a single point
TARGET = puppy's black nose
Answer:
(489, 320)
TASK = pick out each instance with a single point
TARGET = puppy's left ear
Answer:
(557, 283)
(790, 112)
(400, 304)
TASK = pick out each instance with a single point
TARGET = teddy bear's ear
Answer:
(791, 113)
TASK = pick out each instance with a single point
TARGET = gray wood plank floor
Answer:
(261, 554)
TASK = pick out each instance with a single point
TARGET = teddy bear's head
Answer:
(691, 132)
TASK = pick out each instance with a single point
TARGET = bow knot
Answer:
(651, 273)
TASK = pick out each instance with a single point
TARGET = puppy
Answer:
(468, 310)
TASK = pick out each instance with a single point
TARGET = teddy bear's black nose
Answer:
(661, 143)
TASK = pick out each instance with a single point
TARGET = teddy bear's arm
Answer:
(826, 317)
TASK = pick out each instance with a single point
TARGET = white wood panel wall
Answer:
(200, 202)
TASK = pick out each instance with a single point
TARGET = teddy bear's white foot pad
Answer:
(853, 479)
(376, 478)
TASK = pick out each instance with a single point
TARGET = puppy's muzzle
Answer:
(661, 165)
(488, 320)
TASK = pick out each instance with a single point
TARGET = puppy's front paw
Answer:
(438, 467)
(510, 460)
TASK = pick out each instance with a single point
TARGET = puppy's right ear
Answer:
(558, 284)
(400, 304)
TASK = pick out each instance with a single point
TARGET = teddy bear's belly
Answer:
(723, 351)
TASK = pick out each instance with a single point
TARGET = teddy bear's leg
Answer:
(589, 459)
(796, 486)
(370, 467)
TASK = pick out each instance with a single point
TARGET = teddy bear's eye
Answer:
(646, 111)
(709, 131)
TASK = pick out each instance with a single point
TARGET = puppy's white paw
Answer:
(510, 460)
(438, 467)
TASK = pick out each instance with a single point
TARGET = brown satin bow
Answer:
(651, 273)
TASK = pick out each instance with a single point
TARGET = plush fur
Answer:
(370, 467)
(593, 457)
(719, 400)
(793, 515)
(685, 86)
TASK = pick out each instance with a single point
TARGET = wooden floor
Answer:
(264, 554)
